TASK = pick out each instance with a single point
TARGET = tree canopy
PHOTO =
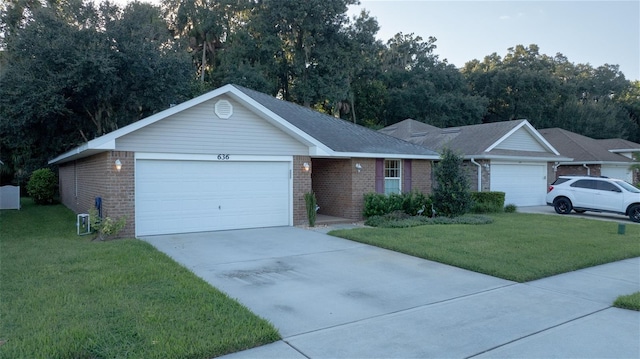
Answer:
(71, 71)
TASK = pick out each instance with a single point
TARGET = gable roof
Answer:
(618, 145)
(337, 134)
(325, 135)
(585, 149)
(489, 140)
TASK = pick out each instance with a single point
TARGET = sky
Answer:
(585, 31)
(593, 32)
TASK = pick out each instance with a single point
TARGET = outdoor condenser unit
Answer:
(83, 224)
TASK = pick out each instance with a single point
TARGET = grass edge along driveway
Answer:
(63, 296)
(516, 246)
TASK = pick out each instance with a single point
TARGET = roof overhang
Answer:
(108, 142)
(541, 158)
(580, 163)
(382, 155)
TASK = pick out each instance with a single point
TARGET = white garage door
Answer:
(524, 184)
(178, 196)
(620, 172)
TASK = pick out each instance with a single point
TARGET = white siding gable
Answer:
(199, 130)
(521, 140)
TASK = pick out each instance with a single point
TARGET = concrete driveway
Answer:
(333, 298)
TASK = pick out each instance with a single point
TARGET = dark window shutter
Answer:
(379, 175)
(406, 176)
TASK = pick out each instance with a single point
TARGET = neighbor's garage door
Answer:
(620, 172)
(524, 184)
(177, 196)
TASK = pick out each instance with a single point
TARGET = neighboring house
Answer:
(609, 157)
(510, 156)
(236, 158)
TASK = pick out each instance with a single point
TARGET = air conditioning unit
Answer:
(83, 224)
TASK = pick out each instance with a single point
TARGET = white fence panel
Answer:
(10, 197)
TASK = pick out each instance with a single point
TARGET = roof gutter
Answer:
(479, 174)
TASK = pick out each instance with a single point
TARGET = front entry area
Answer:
(184, 196)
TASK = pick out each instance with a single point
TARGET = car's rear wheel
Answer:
(562, 205)
(634, 213)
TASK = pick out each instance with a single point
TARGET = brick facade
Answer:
(83, 180)
(471, 172)
(301, 185)
(422, 176)
(340, 188)
(594, 170)
(338, 185)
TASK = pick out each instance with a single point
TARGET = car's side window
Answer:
(560, 181)
(606, 186)
(588, 184)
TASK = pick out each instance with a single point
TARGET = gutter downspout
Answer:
(588, 169)
(479, 174)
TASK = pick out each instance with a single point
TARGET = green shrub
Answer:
(42, 186)
(376, 204)
(107, 227)
(451, 196)
(487, 202)
(510, 208)
(312, 207)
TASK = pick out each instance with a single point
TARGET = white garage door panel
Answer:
(523, 184)
(174, 196)
(620, 172)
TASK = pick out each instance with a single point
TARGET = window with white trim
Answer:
(392, 177)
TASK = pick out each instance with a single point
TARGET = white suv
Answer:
(597, 194)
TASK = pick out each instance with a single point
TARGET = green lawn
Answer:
(516, 246)
(631, 301)
(63, 296)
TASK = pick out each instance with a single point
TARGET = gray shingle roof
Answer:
(582, 148)
(470, 140)
(337, 134)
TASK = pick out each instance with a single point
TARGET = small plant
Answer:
(312, 207)
(42, 186)
(106, 227)
(510, 208)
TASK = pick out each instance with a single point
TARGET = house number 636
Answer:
(223, 157)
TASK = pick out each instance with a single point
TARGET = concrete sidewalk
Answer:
(333, 298)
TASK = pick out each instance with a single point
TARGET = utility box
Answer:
(83, 224)
(621, 228)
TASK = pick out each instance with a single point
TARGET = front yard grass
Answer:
(63, 296)
(631, 301)
(516, 246)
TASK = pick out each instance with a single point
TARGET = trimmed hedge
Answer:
(487, 202)
(376, 204)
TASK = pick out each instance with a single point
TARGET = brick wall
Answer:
(362, 182)
(577, 171)
(83, 180)
(331, 181)
(301, 185)
(421, 176)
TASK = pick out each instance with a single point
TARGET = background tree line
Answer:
(71, 71)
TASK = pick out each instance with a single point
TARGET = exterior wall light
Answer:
(118, 165)
(358, 167)
(306, 166)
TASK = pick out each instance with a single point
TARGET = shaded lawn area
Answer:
(63, 296)
(516, 246)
